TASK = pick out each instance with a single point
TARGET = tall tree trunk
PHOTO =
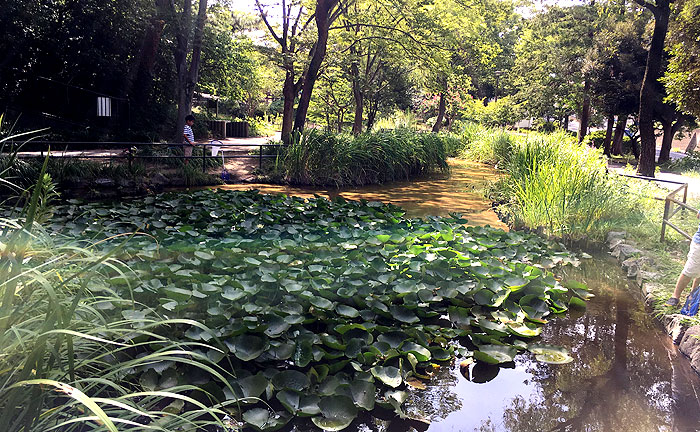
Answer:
(608, 134)
(196, 59)
(289, 94)
(585, 112)
(323, 22)
(137, 85)
(671, 128)
(619, 134)
(649, 96)
(180, 54)
(358, 96)
(441, 113)
(357, 93)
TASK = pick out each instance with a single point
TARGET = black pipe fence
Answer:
(129, 150)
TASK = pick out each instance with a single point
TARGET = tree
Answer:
(230, 66)
(682, 77)
(615, 68)
(650, 92)
(187, 74)
(549, 63)
(300, 73)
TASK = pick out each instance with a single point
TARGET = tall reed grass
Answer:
(67, 362)
(553, 183)
(322, 158)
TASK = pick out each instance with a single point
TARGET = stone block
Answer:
(624, 251)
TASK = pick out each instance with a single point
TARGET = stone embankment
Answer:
(679, 327)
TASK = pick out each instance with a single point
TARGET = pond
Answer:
(627, 374)
(316, 310)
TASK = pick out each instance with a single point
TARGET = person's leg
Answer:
(691, 271)
(188, 153)
(681, 284)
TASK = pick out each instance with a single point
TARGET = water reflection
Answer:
(626, 376)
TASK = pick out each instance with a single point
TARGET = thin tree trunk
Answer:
(289, 94)
(619, 134)
(671, 128)
(649, 96)
(359, 105)
(357, 94)
(323, 22)
(137, 85)
(187, 76)
(585, 112)
(372, 114)
(441, 113)
(196, 59)
(608, 134)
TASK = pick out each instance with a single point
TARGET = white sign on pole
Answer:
(104, 106)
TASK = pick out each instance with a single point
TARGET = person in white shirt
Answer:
(189, 137)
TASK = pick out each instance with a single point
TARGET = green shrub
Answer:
(597, 138)
(486, 145)
(323, 158)
(689, 163)
(398, 120)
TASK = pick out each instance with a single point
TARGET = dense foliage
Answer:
(683, 76)
(307, 308)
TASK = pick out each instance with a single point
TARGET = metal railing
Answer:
(669, 201)
(129, 150)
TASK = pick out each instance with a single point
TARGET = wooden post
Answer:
(260, 158)
(667, 206)
(204, 158)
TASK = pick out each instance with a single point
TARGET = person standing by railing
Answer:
(691, 270)
(189, 138)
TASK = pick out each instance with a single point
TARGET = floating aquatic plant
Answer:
(320, 309)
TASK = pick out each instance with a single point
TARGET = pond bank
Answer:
(679, 327)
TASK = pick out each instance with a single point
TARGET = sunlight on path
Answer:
(438, 195)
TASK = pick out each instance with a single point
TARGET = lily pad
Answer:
(290, 379)
(248, 347)
(550, 354)
(389, 375)
(495, 354)
(337, 413)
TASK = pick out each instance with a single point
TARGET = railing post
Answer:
(204, 158)
(685, 194)
(260, 158)
(667, 206)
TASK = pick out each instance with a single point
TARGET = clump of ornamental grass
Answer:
(323, 158)
(561, 187)
(485, 144)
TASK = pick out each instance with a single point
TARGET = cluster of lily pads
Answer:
(322, 309)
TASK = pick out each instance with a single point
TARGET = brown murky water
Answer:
(438, 195)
